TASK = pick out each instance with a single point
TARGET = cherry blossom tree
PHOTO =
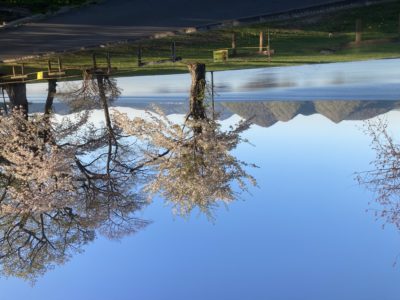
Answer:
(384, 177)
(61, 183)
(192, 163)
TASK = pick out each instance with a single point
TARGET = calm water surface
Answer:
(303, 233)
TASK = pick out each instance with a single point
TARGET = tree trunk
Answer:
(48, 108)
(104, 101)
(111, 137)
(52, 90)
(17, 95)
(261, 46)
(197, 91)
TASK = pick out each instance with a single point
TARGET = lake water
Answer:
(306, 232)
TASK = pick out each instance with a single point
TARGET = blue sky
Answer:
(303, 234)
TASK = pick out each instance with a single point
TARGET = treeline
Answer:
(40, 6)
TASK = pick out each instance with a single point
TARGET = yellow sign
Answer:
(40, 75)
(221, 55)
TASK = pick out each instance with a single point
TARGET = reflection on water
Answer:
(264, 113)
(64, 181)
(61, 182)
(268, 113)
(339, 81)
(384, 177)
(101, 164)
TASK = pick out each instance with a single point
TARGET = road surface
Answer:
(116, 20)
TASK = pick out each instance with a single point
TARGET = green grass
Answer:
(298, 41)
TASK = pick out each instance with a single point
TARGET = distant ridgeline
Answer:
(265, 113)
(268, 113)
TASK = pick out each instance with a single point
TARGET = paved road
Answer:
(115, 20)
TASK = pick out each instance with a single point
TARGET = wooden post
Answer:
(358, 31)
(261, 48)
(13, 69)
(234, 52)
(59, 64)
(108, 57)
(23, 69)
(49, 66)
(94, 61)
(173, 51)
(139, 56)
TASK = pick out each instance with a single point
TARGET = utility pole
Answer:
(212, 95)
(139, 56)
(269, 46)
(234, 52)
(173, 51)
(358, 31)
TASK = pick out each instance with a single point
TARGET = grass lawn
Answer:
(321, 39)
